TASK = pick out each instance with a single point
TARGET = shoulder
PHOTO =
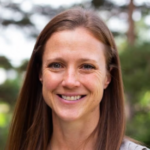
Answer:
(129, 145)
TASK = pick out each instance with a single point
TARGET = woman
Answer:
(72, 96)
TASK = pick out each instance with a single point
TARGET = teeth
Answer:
(71, 98)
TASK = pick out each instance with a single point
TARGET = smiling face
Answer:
(74, 74)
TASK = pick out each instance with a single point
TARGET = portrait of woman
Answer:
(72, 96)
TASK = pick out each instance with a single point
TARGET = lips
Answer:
(71, 98)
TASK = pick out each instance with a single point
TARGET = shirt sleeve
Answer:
(129, 145)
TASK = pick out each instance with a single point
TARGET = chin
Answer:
(67, 116)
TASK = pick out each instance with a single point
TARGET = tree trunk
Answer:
(131, 31)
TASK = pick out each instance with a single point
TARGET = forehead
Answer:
(79, 40)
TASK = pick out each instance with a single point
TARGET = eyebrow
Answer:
(55, 59)
(63, 60)
(87, 59)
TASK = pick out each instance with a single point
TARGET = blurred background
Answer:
(22, 20)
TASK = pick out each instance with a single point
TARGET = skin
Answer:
(74, 64)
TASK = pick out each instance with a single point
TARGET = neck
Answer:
(74, 135)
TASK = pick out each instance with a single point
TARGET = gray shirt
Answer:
(129, 145)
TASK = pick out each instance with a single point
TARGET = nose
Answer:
(70, 79)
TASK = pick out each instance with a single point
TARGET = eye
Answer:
(55, 65)
(87, 67)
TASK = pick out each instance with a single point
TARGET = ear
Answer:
(41, 77)
(107, 80)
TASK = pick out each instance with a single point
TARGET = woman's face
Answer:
(74, 74)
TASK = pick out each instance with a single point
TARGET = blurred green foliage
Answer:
(4, 63)
(135, 61)
(9, 90)
(5, 118)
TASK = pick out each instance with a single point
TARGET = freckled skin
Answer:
(69, 48)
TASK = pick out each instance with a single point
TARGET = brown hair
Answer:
(32, 121)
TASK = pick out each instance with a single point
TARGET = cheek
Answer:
(95, 84)
(99, 85)
(50, 84)
(50, 81)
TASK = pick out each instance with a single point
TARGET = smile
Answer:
(71, 98)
